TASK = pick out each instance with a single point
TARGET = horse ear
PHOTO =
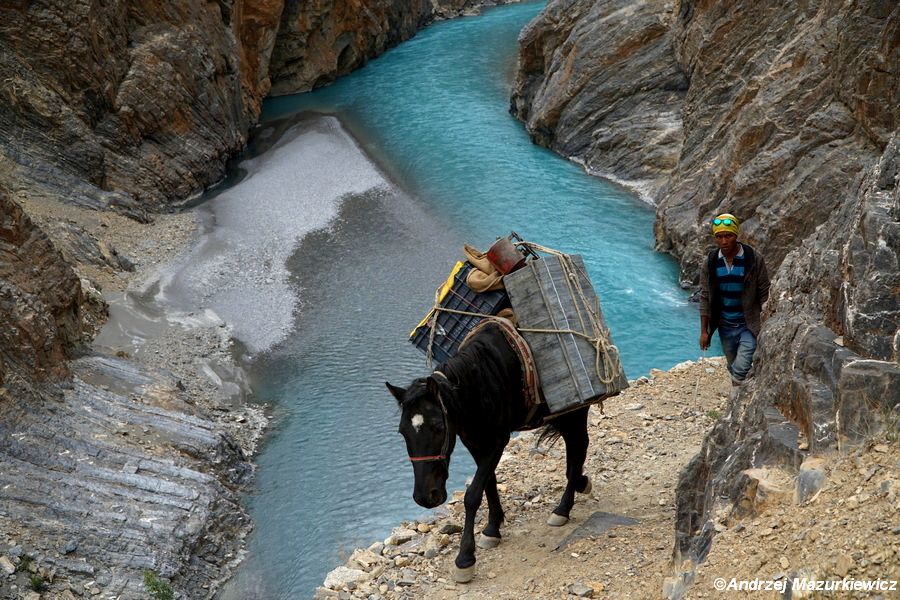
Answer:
(396, 392)
(431, 385)
(438, 383)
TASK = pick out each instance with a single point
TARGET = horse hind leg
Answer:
(490, 536)
(573, 428)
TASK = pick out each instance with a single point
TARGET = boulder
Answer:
(343, 576)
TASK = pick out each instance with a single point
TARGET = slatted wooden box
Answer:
(543, 298)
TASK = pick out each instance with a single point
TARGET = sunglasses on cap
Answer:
(722, 221)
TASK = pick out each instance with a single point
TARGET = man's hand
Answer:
(704, 340)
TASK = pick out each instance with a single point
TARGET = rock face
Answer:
(115, 474)
(798, 134)
(321, 40)
(788, 109)
(135, 105)
(127, 104)
(40, 297)
(598, 83)
(790, 120)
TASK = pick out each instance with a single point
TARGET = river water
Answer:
(323, 251)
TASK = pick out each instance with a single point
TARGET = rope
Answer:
(606, 354)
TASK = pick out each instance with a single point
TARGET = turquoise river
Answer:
(444, 163)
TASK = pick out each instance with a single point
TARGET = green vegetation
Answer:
(25, 562)
(158, 588)
(713, 414)
(37, 583)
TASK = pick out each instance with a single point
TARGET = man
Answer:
(734, 284)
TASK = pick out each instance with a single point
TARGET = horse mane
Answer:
(485, 379)
(481, 382)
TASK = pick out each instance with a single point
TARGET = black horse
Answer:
(477, 395)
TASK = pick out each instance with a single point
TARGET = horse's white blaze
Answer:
(417, 421)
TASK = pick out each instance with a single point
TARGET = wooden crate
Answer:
(542, 298)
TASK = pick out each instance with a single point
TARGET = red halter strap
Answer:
(426, 458)
(446, 444)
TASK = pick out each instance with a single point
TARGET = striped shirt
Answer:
(731, 286)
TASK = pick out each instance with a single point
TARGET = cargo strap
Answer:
(606, 355)
(530, 384)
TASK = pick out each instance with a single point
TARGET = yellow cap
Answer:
(725, 222)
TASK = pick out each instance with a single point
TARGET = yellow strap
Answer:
(441, 294)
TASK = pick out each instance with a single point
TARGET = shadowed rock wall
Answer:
(791, 122)
(127, 104)
(788, 109)
(598, 83)
(135, 105)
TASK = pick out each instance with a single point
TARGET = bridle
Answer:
(446, 445)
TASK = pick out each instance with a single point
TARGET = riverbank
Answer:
(135, 462)
(619, 543)
(195, 347)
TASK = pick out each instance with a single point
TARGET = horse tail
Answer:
(550, 434)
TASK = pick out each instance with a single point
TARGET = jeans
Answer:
(739, 344)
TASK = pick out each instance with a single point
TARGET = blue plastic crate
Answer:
(452, 328)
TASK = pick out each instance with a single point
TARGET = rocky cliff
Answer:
(321, 40)
(598, 83)
(787, 117)
(127, 104)
(40, 299)
(135, 105)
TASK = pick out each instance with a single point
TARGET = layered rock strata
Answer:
(109, 468)
(790, 120)
(112, 474)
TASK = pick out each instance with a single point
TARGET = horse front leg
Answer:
(573, 427)
(465, 560)
(490, 535)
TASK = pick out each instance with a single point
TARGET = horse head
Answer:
(429, 434)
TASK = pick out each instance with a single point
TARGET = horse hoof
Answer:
(487, 542)
(587, 489)
(463, 575)
(556, 520)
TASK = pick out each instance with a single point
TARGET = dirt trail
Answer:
(637, 450)
(848, 530)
